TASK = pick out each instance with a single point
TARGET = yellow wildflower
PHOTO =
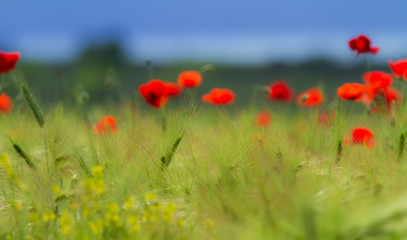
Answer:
(150, 197)
(66, 223)
(49, 216)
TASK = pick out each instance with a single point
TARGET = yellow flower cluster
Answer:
(85, 211)
(96, 185)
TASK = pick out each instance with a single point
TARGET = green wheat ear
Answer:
(402, 144)
(166, 159)
(33, 104)
(22, 154)
(339, 147)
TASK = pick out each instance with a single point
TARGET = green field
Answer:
(227, 178)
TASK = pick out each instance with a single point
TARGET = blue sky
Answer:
(225, 30)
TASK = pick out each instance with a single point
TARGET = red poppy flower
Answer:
(377, 83)
(5, 103)
(106, 124)
(351, 91)
(387, 97)
(392, 94)
(8, 61)
(263, 119)
(280, 91)
(399, 68)
(361, 44)
(155, 93)
(311, 97)
(189, 79)
(361, 135)
(377, 80)
(172, 89)
(219, 96)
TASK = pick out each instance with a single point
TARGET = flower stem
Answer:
(367, 63)
(163, 119)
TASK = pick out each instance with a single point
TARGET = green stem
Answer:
(46, 147)
(367, 63)
(163, 119)
(58, 86)
(3, 80)
(150, 69)
(253, 102)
